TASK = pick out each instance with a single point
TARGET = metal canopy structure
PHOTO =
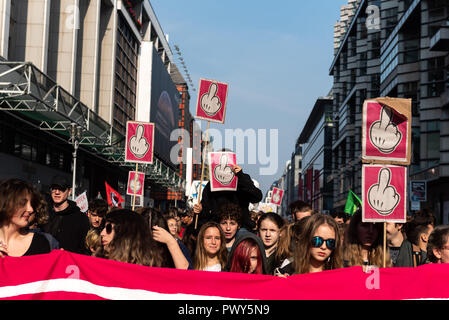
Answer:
(33, 95)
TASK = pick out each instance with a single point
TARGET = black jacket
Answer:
(69, 227)
(405, 256)
(246, 193)
(243, 236)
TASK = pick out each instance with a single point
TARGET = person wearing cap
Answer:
(66, 222)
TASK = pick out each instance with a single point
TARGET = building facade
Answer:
(95, 65)
(396, 49)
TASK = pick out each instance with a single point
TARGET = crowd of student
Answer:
(227, 237)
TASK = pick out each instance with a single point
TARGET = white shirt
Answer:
(215, 268)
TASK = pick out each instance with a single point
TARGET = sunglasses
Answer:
(318, 242)
(54, 188)
(108, 228)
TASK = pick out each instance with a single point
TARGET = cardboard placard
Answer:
(139, 142)
(276, 196)
(211, 103)
(386, 131)
(222, 178)
(384, 193)
(135, 187)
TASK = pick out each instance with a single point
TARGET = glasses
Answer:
(108, 228)
(54, 188)
(318, 242)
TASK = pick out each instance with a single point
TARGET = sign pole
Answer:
(202, 173)
(136, 176)
(385, 243)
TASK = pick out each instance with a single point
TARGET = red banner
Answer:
(63, 275)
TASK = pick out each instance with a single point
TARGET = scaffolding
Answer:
(32, 95)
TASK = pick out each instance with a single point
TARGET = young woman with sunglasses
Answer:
(126, 237)
(318, 248)
(20, 203)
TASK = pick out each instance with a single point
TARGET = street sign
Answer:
(211, 103)
(384, 193)
(418, 191)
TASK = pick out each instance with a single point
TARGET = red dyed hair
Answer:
(242, 255)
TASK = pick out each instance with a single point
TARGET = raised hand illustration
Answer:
(223, 172)
(277, 196)
(134, 185)
(384, 134)
(138, 145)
(210, 103)
(383, 197)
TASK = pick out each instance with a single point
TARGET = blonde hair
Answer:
(93, 240)
(201, 258)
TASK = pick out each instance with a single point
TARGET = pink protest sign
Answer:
(222, 177)
(386, 126)
(139, 142)
(135, 185)
(276, 197)
(211, 104)
(384, 193)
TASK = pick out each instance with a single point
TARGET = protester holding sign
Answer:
(211, 253)
(19, 201)
(319, 247)
(363, 244)
(245, 194)
(413, 250)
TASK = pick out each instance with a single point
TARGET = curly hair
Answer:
(438, 238)
(201, 255)
(12, 193)
(230, 211)
(301, 262)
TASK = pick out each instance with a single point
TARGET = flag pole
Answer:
(202, 174)
(136, 176)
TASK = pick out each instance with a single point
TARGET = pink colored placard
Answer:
(222, 178)
(139, 142)
(276, 197)
(211, 103)
(138, 191)
(384, 193)
(384, 134)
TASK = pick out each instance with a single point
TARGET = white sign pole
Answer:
(189, 168)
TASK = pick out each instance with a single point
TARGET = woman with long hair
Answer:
(21, 203)
(127, 237)
(211, 252)
(318, 248)
(247, 255)
(363, 244)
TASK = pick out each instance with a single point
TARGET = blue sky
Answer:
(274, 57)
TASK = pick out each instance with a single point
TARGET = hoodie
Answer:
(69, 227)
(243, 236)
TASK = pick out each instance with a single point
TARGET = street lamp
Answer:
(75, 137)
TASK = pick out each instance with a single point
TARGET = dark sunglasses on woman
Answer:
(318, 242)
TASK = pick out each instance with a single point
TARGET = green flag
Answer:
(352, 203)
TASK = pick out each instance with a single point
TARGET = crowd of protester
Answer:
(228, 238)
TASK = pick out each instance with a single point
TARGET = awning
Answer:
(32, 95)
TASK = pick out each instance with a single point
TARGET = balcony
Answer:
(440, 41)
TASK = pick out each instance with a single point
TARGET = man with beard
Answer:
(66, 222)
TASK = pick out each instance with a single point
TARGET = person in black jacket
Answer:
(66, 222)
(245, 194)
